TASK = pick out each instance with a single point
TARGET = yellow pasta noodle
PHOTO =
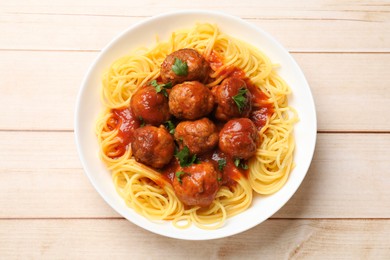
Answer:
(141, 187)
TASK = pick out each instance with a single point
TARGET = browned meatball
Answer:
(238, 138)
(199, 136)
(233, 99)
(184, 65)
(153, 146)
(190, 100)
(196, 185)
(150, 106)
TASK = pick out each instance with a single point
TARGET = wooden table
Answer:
(48, 208)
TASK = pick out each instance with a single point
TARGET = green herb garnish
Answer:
(180, 68)
(161, 87)
(142, 121)
(239, 163)
(179, 175)
(240, 98)
(221, 164)
(170, 126)
(184, 157)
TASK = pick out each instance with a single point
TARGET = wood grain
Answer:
(30, 82)
(284, 8)
(41, 31)
(118, 238)
(49, 209)
(348, 178)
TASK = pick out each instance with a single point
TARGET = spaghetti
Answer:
(143, 188)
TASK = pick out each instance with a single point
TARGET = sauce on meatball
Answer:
(239, 138)
(190, 100)
(196, 185)
(153, 146)
(233, 99)
(199, 136)
(150, 106)
(215, 150)
(184, 65)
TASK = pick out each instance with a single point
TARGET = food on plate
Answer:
(184, 65)
(195, 127)
(190, 100)
(200, 136)
(239, 138)
(152, 146)
(233, 99)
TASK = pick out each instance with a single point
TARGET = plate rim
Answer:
(122, 34)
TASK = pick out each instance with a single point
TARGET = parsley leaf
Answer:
(221, 164)
(180, 68)
(240, 98)
(184, 157)
(239, 163)
(142, 121)
(168, 85)
(170, 126)
(244, 166)
(161, 87)
(179, 175)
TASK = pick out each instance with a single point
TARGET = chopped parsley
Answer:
(142, 121)
(161, 87)
(184, 157)
(180, 68)
(179, 175)
(239, 163)
(170, 127)
(221, 164)
(240, 98)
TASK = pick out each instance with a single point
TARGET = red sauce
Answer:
(259, 117)
(228, 176)
(215, 60)
(125, 121)
(262, 108)
(169, 171)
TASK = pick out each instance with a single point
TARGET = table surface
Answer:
(49, 209)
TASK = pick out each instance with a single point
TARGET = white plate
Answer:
(143, 34)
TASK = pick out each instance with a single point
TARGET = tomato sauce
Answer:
(229, 174)
(126, 122)
(262, 108)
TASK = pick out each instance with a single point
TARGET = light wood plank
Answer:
(287, 8)
(348, 178)
(341, 31)
(351, 91)
(39, 89)
(274, 239)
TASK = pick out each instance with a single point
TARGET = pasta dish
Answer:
(195, 127)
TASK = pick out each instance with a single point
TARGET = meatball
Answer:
(153, 146)
(190, 100)
(233, 99)
(199, 136)
(238, 138)
(184, 65)
(196, 185)
(150, 106)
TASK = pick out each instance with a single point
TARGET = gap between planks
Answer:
(72, 131)
(290, 51)
(118, 218)
(243, 17)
